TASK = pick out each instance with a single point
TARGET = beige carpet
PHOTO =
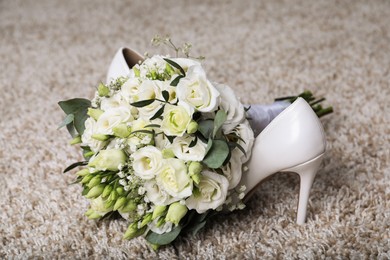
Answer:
(55, 50)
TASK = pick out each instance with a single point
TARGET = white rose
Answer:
(176, 119)
(111, 118)
(147, 162)
(86, 138)
(233, 169)
(157, 195)
(211, 192)
(232, 106)
(174, 179)
(197, 91)
(181, 149)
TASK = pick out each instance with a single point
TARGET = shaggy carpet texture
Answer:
(56, 50)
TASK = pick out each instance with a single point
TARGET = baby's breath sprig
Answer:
(184, 49)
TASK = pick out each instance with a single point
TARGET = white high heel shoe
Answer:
(122, 62)
(294, 141)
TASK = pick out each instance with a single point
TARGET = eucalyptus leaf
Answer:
(217, 154)
(68, 119)
(176, 80)
(142, 103)
(196, 228)
(163, 239)
(219, 119)
(79, 108)
(177, 66)
(206, 127)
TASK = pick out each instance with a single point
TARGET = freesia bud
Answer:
(176, 212)
(94, 113)
(121, 130)
(146, 220)
(86, 178)
(107, 191)
(108, 160)
(100, 137)
(133, 231)
(119, 203)
(130, 206)
(94, 181)
(158, 211)
(75, 140)
(95, 191)
(192, 127)
(83, 172)
(103, 90)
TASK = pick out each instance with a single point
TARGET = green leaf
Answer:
(170, 138)
(206, 128)
(176, 80)
(74, 165)
(219, 119)
(79, 108)
(165, 95)
(142, 131)
(163, 239)
(217, 154)
(68, 119)
(158, 113)
(193, 142)
(152, 126)
(142, 103)
(177, 66)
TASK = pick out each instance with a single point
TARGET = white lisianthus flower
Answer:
(111, 118)
(186, 63)
(181, 149)
(147, 162)
(115, 101)
(130, 89)
(86, 138)
(244, 131)
(174, 179)
(233, 169)
(197, 91)
(235, 111)
(176, 119)
(157, 195)
(149, 89)
(210, 193)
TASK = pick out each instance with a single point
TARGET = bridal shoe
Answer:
(293, 141)
(122, 62)
(289, 139)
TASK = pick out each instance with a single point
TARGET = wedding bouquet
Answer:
(164, 147)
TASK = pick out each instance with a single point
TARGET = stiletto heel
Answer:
(307, 172)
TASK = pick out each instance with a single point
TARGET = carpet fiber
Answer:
(56, 50)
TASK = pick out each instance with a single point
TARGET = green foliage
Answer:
(217, 154)
(163, 239)
(76, 110)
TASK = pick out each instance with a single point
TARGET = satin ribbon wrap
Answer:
(259, 116)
